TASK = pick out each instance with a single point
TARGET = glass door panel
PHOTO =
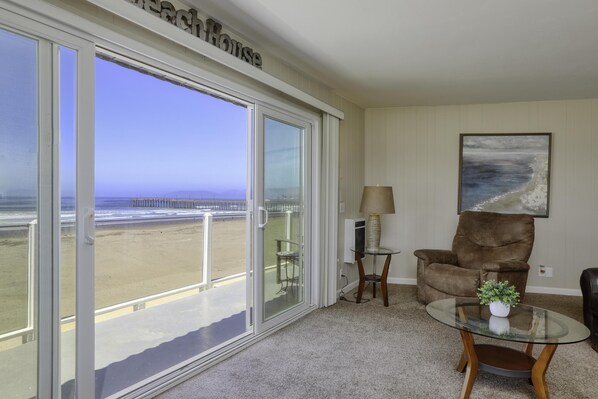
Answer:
(40, 101)
(67, 137)
(283, 187)
(284, 270)
(19, 214)
(171, 233)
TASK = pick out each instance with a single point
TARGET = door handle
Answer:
(89, 226)
(262, 211)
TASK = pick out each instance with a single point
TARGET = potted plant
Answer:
(499, 295)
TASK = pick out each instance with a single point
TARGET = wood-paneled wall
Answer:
(416, 150)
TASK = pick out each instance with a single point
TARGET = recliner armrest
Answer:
(589, 288)
(594, 302)
(437, 256)
(505, 266)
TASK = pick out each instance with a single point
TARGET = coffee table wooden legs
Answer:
(539, 371)
(518, 364)
(472, 363)
(462, 363)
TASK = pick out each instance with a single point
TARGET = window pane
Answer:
(283, 235)
(67, 156)
(18, 215)
(171, 171)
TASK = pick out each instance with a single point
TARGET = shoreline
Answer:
(9, 219)
(529, 198)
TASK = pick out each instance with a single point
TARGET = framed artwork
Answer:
(505, 173)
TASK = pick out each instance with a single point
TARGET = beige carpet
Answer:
(368, 351)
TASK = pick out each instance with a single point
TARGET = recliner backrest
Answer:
(487, 236)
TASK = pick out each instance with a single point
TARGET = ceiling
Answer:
(381, 53)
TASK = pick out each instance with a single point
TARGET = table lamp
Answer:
(376, 200)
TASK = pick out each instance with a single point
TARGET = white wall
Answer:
(416, 150)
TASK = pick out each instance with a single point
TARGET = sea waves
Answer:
(111, 215)
(531, 198)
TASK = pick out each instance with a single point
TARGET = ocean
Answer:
(485, 176)
(19, 211)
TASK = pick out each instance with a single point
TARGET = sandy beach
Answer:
(132, 261)
(531, 198)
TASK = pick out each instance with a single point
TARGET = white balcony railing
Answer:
(206, 282)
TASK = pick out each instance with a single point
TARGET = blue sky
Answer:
(152, 137)
(282, 155)
(18, 115)
(68, 82)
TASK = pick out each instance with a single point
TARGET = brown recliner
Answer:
(589, 289)
(486, 246)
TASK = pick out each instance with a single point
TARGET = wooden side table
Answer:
(374, 278)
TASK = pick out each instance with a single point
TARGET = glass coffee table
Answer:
(526, 324)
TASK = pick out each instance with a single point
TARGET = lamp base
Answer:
(373, 232)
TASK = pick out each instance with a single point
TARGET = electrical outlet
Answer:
(544, 271)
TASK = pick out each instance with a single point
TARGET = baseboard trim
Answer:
(403, 281)
(529, 289)
(553, 291)
(391, 280)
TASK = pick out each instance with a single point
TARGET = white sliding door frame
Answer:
(116, 42)
(48, 237)
(48, 329)
(310, 195)
(65, 28)
(85, 215)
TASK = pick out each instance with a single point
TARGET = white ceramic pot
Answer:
(499, 325)
(499, 309)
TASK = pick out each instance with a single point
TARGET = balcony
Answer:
(169, 290)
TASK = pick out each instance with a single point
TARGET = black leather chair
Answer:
(589, 289)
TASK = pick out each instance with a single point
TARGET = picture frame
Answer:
(505, 173)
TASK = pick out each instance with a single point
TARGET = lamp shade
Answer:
(377, 200)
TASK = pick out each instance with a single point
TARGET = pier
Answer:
(278, 205)
(173, 203)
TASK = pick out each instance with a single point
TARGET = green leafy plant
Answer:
(498, 291)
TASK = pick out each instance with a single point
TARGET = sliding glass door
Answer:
(43, 160)
(171, 246)
(19, 213)
(283, 209)
(142, 229)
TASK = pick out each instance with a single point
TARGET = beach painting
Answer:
(505, 173)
